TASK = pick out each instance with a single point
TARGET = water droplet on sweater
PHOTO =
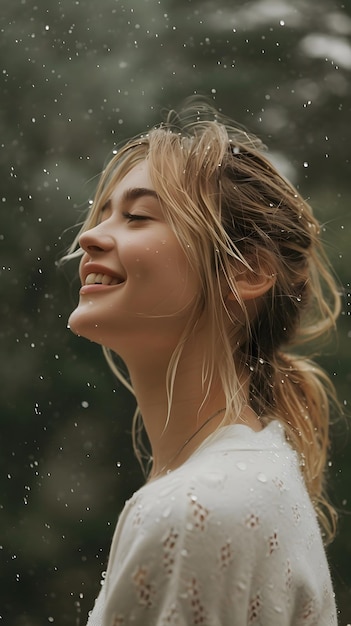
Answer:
(241, 465)
(241, 585)
(212, 478)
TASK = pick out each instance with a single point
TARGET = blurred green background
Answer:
(78, 77)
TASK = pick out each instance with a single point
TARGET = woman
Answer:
(202, 269)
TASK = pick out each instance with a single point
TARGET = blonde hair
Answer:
(230, 208)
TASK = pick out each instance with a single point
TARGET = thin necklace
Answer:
(174, 458)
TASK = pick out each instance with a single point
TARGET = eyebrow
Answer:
(138, 192)
(134, 193)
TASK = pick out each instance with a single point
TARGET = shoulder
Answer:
(234, 461)
(230, 535)
(238, 481)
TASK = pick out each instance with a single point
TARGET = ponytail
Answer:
(303, 394)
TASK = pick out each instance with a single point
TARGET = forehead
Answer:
(137, 177)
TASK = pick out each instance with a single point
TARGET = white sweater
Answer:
(230, 538)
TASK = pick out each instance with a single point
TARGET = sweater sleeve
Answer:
(220, 548)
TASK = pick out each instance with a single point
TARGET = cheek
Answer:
(154, 256)
(159, 267)
(157, 263)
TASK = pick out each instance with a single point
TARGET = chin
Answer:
(71, 323)
(80, 325)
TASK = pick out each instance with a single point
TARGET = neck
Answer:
(176, 428)
(168, 429)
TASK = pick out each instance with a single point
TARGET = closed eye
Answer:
(133, 217)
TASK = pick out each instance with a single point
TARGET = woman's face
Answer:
(138, 288)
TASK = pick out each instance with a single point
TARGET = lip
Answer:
(88, 289)
(96, 268)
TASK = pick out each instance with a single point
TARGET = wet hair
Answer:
(234, 213)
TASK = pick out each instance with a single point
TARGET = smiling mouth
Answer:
(102, 279)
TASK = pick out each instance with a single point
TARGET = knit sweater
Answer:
(230, 538)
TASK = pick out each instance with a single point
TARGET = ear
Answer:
(250, 285)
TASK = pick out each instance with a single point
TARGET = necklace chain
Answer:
(180, 450)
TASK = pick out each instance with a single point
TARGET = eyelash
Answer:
(132, 217)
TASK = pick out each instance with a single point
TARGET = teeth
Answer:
(101, 279)
(90, 279)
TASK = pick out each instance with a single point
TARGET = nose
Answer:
(95, 240)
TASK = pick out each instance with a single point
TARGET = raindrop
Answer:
(241, 466)
(262, 477)
(241, 586)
